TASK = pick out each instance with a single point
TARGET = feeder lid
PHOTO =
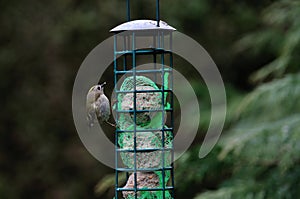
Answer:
(144, 24)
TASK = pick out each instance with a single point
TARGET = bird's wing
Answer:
(103, 108)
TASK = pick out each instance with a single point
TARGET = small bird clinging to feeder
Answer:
(97, 105)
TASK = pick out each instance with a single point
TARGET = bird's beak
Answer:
(104, 83)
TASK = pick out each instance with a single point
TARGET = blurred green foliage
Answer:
(258, 155)
(42, 44)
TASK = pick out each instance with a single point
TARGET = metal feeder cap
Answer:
(143, 24)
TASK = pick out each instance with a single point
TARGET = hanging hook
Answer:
(157, 11)
(128, 10)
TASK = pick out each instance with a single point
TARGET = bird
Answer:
(97, 105)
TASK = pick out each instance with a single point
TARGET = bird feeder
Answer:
(143, 108)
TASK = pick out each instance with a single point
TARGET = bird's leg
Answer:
(111, 124)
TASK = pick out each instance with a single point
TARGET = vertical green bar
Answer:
(134, 112)
(116, 134)
(163, 113)
(172, 115)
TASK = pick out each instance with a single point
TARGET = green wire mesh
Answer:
(152, 149)
(144, 101)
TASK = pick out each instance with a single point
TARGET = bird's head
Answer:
(97, 90)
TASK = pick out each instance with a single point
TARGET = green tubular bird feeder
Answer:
(143, 108)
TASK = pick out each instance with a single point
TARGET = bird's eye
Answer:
(98, 88)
